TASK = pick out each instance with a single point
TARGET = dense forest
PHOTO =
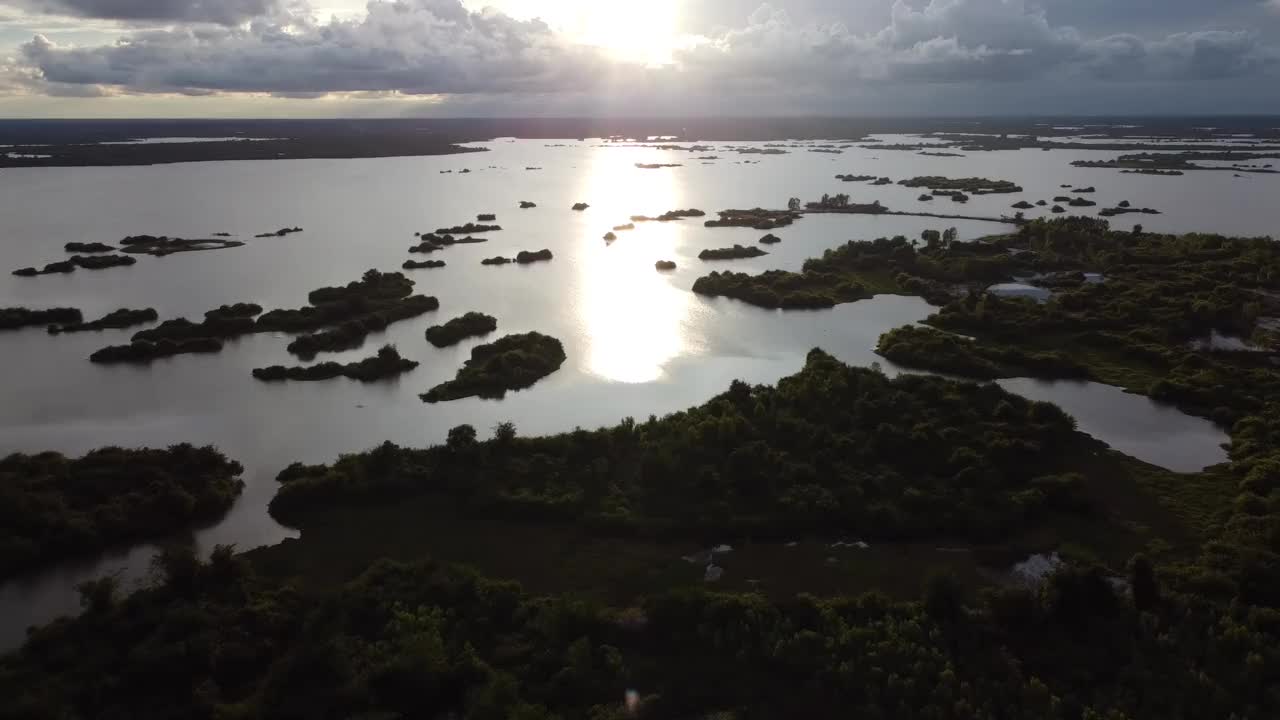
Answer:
(1169, 606)
(53, 507)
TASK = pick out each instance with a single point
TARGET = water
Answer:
(638, 341)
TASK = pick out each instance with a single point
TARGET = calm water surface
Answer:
(638, 341)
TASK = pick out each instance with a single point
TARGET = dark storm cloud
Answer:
(226, 12)
(440, 47)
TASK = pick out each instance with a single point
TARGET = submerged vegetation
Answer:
(122, 318)
(387, 363)
(473, 324)
(55, 507)
(514, 362)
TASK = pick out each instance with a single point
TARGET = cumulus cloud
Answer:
(434, 47)
(227, 12)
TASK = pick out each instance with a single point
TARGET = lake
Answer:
(638, 341)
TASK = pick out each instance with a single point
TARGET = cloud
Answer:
(226, 12)
(439, 47)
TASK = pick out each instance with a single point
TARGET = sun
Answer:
(641, 32)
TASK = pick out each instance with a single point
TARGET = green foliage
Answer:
(53, 507)
(513, 362)
(830, 448)
(930, 349)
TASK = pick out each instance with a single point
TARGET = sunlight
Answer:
(635, 32)
(632, 318)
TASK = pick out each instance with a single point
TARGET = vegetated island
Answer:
(782, 289)
(657, 166)
(580, 206)
(770, 239)
(514, 362)
(117, 319)
(93, 247)
(162, 245)
(757, 218)
(931, 349)
(665, 265)
(278, 233)
(60, 508)
(13, 318)
(1178, 163)
(468, 228)
(387, 363)
(472, 324)
(855, 178)
(85, 262)
(737, 252)
(624, 226)
(669, 216)
(422, 264)
(525, 205)
(339, 318)
(973, 185)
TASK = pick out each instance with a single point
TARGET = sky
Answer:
(520, 58)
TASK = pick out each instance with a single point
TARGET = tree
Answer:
(793, 204)
(949, 236)
(461, 438)
(504, 432)
(1143, 583)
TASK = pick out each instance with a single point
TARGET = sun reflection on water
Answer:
(633, 321)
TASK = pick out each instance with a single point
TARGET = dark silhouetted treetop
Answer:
(734, 253)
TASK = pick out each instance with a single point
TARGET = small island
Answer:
(85, 262)
(122, 318)
(12, 318)
(737, 252)
(514, 362)
(624, 226)
(468, 229)
(580, 206)
(387, 363)
(351, 334)
(782, 289)
(669, 216)
(770, 239)
(1057, 209)
(524, 257)
(973, 185)
(855, 178)
(525, 205)
(143, 351)
(93, 247)
(422, 264)
(498, 260)
(1022, 205)
(473, 324)
(278, 233)
(1081, 202)
(926, 197)
(656, 166)
(486, 217)
(162, 245)
(610, 236)
(756, 219)
(73, 507)
(664, 265)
